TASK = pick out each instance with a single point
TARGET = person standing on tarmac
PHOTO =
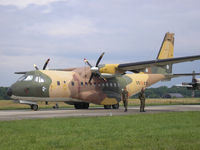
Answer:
(125, 98)
(142, 100)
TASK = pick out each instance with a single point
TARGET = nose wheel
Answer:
(34, 107)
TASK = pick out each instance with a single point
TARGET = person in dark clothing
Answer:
(142, 100)
(125, 98)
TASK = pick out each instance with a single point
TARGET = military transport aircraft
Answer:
(194, 85)
(100, 84)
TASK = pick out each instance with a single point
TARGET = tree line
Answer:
(159, 92)
(3, 93)
(149, 92)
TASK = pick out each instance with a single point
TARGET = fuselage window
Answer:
(58, 83)
(115, 85)
(94, 83)
(103, 84)
(118, 84)
(81, 83)
(72, 83)
(28, 78)
(99, 84)
(86, 83)
(111, 84)
(107, 84)
(64, 82)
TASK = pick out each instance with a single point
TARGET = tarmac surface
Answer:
(51, 113)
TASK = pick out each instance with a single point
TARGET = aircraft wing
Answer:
(135, 66)
(24, 72)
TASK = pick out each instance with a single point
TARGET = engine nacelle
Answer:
(110, 69)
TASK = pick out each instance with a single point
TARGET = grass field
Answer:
(164, 131)
(8, 104)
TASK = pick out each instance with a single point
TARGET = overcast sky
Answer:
(66, 31)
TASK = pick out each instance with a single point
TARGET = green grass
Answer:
(170, 131)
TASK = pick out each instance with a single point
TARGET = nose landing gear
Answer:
(34, 107)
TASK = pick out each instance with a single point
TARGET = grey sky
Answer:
(66, 31)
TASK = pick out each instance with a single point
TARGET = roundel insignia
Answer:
(44, 88)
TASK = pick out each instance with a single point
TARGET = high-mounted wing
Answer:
(138, 66)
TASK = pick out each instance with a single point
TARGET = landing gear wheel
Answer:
(77, 106)
(56, 106)
(81, 105)
(115, 106)
(34, 107)
(107, 106)
(86, 105)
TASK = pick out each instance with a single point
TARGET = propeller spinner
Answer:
(95, 69)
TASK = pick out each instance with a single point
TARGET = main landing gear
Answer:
(115, 106)
(34, 107)
(81, 105)
(56, 106)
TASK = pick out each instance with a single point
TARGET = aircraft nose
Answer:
(9, 92)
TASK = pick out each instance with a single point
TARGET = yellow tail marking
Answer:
(167, 47)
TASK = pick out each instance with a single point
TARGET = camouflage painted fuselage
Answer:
(73, 86)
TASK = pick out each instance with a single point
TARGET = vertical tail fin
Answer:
(167, 47)
(166, 51)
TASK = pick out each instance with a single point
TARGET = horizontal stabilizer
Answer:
(181, 85)
(180, 75)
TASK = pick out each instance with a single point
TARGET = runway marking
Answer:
(50, 113)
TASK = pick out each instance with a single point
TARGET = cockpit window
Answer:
(22, 78)
(36, 79)
(39, 79)
(28, 78)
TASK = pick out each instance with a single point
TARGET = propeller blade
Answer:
(46, 63)
(91, 77)
(36, 67)
(102, 77)
(86, 61)
(98, 61)
(193, 75)
(193, 93)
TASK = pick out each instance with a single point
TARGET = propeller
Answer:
(193, 78)
(95, 69)
(194, 84)
(193, 93)
(46, 63)
(44, 67)
(36, 68)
